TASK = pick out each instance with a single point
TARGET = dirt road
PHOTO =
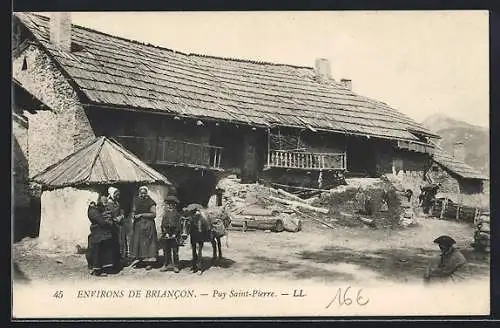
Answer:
(316, 254)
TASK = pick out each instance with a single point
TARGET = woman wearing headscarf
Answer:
(101, 254)
(144, 238)
(119, 232)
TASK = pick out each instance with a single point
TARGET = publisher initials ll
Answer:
(298, 293)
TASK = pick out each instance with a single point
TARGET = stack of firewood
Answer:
(482, 233)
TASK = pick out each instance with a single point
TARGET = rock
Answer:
(407, 221)
(484, 227)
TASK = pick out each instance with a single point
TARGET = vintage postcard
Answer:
(250, 164)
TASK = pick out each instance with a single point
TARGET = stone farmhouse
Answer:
(196, 118)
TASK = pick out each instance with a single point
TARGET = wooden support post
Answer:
(164, 151)
(443, 208)
(299, 204)
(268, 147)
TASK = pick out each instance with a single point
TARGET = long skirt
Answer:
(102, 254)
(122, 241)
(145, 240)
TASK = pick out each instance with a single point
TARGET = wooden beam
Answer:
(298, 204)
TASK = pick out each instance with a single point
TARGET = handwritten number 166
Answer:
(344, 299)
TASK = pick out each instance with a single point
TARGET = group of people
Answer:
(110, 244)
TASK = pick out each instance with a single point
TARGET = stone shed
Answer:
(69, 185)
(454, 175)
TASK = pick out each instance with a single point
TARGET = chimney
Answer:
(60, 30)
(346, 83)
(459, 151)
(323, 71)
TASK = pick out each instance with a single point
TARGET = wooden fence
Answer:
(445, 209)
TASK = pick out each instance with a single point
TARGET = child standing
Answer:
(170, 234)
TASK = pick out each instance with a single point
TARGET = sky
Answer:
(420, 63)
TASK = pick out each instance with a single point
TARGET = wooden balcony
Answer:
(165, 151)
(306, 161)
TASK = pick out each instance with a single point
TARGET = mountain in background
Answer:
(476, 139)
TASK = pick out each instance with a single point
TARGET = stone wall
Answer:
(53, 134)
(20, 156)
(437, 174)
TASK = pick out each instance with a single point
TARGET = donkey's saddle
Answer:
(218, 228)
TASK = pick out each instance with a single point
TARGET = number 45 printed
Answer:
(58, 294)
(342, 296)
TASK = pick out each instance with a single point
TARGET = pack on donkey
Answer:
(202, 226)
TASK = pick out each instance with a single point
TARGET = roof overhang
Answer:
(25, 99)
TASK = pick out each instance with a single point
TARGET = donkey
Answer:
(200, 229)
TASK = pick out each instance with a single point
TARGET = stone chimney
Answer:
(323, 70)
(346, 83)
(60, 30)
(459, 151)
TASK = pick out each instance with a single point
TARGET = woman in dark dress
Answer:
(144, 238)
(101, 252)
(120, 235)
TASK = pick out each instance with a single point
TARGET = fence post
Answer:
(443, 208)
(457, 217)
(476, 215)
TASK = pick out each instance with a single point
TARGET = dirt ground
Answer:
(315, 254)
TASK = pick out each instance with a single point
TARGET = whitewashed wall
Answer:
(158, 194)
(64, 221)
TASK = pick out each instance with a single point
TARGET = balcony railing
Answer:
(172, 152)
(306, 161)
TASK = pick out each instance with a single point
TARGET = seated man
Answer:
(450, 262)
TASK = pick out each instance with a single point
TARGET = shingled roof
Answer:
(456, 166)
(114, 71)
(101, 161)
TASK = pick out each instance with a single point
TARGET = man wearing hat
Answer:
(450, 262)
(170, 234)
(216, 199)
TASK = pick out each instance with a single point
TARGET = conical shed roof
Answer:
(102, 161)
